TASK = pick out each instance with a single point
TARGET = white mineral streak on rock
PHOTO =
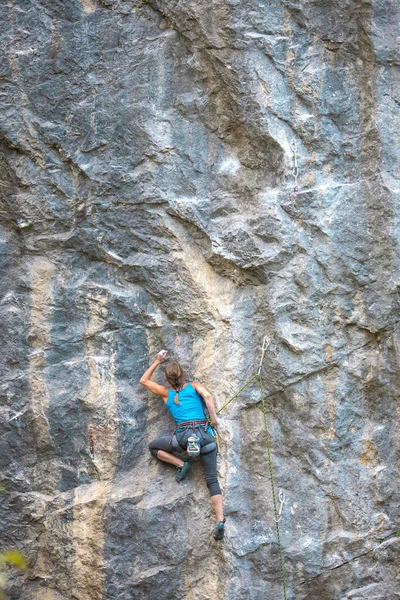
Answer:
(89, 6)
(101, 391)
(87, 524)
(86, 532)
(229, 166)
(46, 474)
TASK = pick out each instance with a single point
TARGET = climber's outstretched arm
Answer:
(145, 380)
(203, 391)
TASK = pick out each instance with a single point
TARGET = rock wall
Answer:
(146, 183)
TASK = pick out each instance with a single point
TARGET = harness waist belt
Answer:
(194, 424)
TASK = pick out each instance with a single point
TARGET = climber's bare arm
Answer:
(145, 380)
(203, 391)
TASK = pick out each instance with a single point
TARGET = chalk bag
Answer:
(193, 445)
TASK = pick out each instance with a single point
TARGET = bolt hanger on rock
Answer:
(295, 170)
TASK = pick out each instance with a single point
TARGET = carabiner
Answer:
(265, 345)
(282, 501)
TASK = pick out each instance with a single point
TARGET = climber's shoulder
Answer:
(156, 388)
(200, 388)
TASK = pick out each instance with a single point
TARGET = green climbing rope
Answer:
(268, 445)
(237, 393)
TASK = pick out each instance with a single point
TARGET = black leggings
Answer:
(209, 461)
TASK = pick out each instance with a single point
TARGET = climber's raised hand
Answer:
(145, 379)
(162, 355)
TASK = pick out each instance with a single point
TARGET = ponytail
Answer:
(175, 377)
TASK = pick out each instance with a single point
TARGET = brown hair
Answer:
(175, 377)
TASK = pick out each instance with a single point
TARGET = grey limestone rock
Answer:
(147, 202)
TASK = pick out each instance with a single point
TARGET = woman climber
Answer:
(193, 434)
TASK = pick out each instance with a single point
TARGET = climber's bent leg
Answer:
(210, 471)
(170, 458)
(162, 449)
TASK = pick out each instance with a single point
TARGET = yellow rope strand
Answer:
(237, 394)
(268, 445)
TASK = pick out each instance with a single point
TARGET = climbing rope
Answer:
(281, 493)
(237, 393)
(277, 513)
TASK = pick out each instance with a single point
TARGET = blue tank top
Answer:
(190, 407)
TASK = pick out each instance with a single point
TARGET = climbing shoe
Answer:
(182, 471)
(219, 530)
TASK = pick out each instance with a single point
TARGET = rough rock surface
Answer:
(146, 183)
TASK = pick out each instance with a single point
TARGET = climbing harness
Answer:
(193, 424)
(193, 436)
(295, 170)
(281, 496)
